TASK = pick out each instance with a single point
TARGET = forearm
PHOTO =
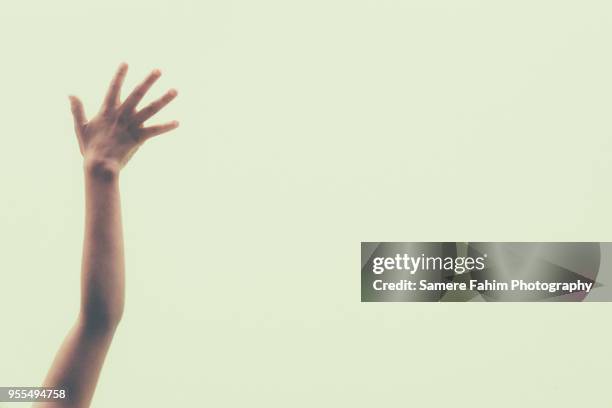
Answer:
(102, 279)
(79, 361)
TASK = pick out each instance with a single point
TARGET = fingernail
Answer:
(156, 72)
(172, 92)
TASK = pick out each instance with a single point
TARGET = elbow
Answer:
(100, 320)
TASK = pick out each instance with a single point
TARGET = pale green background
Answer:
(307, 127)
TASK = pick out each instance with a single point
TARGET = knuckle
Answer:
(137, 136)
(123, 119)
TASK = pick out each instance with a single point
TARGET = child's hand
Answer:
(109, 139)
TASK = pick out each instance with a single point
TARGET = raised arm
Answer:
(106, 142)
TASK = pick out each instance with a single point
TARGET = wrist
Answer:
(101, 169)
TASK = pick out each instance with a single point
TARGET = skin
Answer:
(107, 142)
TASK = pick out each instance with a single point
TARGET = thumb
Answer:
(78, 113)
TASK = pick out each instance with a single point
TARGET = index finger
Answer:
(112, 96)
